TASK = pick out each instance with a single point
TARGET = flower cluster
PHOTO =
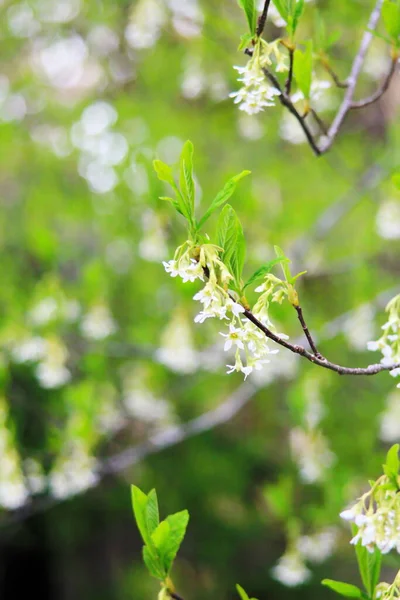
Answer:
(387, 591)
(377, 516)
(256, 92)
(250, 344)
(389, 342)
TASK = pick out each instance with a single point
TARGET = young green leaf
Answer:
(297, 12)
(243, 595)
(186, 180)
(265, 269)
(173, 202)
(391, 19)
(249, 8)
(344, 589)
(231, 240)
(222, 196)
(153, 563)
(284, 264)
(151, 512)
(164, 172)
(369, 565)
(283, 8)
(139, 503)
(392, 460)
(177, 524)
(303, 68)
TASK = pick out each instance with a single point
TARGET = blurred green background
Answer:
(105, 378)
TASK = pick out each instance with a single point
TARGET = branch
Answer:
(353, 78)
(336, 80)
(307, 332)
(288, 84)
(175, 596)
(286, 101)
(373, 369)
(379, 93)
(263, 18)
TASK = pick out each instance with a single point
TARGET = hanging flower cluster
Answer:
(256, 92)
(389, 342)
(377, 512)
(203, 262)
(388, 591)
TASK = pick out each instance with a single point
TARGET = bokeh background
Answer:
(105, 378)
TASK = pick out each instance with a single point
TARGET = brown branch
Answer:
(263, 18)
(335, 78)
(320, 122)
(353, 78)
(175, 596)
(307, 332)
(373, 369)
(379, 92)
(288, 84)
(286, 101)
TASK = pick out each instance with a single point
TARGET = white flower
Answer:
(318, 547)
(31, 349)
(291, 570)
(234, 337)
(98, 323)
(51, 375)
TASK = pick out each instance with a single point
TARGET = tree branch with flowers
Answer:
(263, 82)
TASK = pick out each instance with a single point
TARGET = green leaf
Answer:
(242, 593)
(173, 202)
(298, 11)
(284, 264)
(151, 512)
(249, 7)
(245, 41)
(177, 525)
(283, 8)
(186, 180)
(223, 196)
(267, 268)
(164, 172)
(344, 589)
(369, 565)
(153, 564)
(374, 570)
(303, 68)
(392, 460)
(231, 239)
(391, 19)
(139, 503)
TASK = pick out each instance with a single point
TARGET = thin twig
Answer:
(307, 332)
(373, 369)
(288, 84)
(263, 18)
(286, 101)
(353, 78)
(383, 88)
(336, 80)
(320, 122)
(175, 596)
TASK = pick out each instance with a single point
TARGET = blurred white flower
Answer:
(359, 327)
(98, 323)
(21, 20)
(74, 472)
(57, 11)
(176, 349)
(35, 476)
(52, 372)
(291, 570)
(103, 40)
(388, 219)
(311, 452)
(63, 61)
(44, 312)
(319, 546)
(147, 18)
(30, 349)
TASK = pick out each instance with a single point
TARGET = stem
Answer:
(263, 18)
(336, 80)
(307, 332)
(175, 596)
(286, 101)
(288, 84)
(353, 78)
(379, 92)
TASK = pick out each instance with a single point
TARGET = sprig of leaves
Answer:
(162, 540)
(290, 11)
(231, 240)
(243, 595)
(391, 20)
(185, 191)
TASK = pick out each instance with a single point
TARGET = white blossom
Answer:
(98, 323)
(291, 570)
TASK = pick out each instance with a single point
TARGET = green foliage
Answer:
(290, 11)
(343, 589)
(265, 269)
(223, 196)
(250, 10)
(243, 595)
(303, 69)
(369, 565)
(391, 467)
(231, 240)
(391, 19)
(162, 539)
